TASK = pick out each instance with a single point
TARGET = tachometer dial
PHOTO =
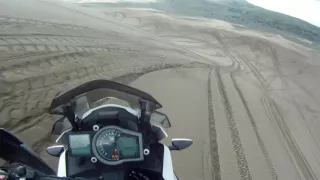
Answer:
(106, 144)
(113, 145)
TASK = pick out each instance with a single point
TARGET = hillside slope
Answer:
(239, 12)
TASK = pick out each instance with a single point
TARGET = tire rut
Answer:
(300, 158)
(129, 77)
(274, 113)
(213, 134)
(255, 129)
(253, 69)
(154, 35)
(14, 56)
(21, 21)
(51, 35)
(36, 43)
(56, 48)
(18, 39)
(292, 146)
(29, 122)
(23, 62)
(237, 146)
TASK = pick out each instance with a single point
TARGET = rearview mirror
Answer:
(160, 119)
(55, 150)
(180, 144)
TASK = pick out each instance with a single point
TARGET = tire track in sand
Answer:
(41, 24)
(272, 107)
(236, 142)
(255, 129)
(213, 135)
(296, 156)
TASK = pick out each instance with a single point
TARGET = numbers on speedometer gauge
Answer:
(107, 144)
(113, 145)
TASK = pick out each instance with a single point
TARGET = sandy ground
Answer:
(248, 99)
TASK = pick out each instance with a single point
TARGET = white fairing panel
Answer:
(62, 169)
(167, 172)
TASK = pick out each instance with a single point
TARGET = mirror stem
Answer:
(71, 117)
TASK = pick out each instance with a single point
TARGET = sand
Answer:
(248, 99)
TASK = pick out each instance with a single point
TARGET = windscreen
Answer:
(97, 93)
(102, 97)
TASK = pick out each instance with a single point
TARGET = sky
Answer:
(307, 10)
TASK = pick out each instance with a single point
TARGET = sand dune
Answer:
(248, 99)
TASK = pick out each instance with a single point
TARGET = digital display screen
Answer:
(128, 147)
(80, 144)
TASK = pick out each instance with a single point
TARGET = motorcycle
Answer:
(107, 131)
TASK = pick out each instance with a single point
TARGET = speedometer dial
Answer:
(113, 145)
(106, 144)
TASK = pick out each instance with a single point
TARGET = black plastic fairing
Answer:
(13, 150)
(65, 98)
(111, 116)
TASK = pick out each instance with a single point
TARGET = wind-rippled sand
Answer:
(249, 100)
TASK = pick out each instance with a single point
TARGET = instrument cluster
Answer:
(110, 145)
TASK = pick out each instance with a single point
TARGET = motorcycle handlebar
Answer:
(22, 172)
